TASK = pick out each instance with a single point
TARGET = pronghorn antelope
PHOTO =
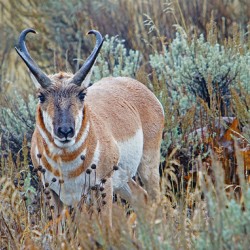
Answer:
(83, 133)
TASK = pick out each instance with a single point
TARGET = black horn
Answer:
(85, 69)
(21, 49)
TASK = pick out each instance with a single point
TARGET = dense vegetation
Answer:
(195, 56)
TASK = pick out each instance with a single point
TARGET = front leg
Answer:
(58, 217)
(107, 203)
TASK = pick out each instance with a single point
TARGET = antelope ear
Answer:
(37, 84)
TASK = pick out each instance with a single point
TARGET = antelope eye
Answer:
(41, 98)
(81, 96)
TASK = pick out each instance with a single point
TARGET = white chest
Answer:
(70, 189)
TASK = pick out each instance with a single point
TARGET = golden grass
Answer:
(170, 224)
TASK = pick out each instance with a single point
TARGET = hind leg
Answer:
(133, 193)
(149, 174)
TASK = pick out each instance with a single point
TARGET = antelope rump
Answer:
(94, 137)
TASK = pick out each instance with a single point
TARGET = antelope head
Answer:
(61, 96)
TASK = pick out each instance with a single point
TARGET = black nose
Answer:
(65, 132)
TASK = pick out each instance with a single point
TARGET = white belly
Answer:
(130, 157)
